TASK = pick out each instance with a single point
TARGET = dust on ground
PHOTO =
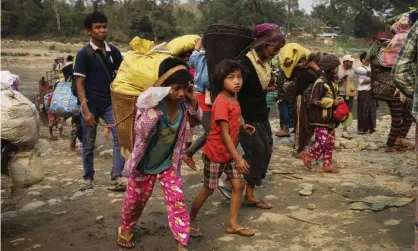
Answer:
(54, 215)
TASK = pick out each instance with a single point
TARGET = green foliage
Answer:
(161, 20)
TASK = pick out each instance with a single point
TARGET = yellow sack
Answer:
(139, 68)
(180, 45)
(290, 54)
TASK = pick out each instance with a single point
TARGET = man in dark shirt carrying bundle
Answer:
(95, 68)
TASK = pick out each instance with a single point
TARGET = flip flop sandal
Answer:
(225, 191)
(240, 231)
(259, 204)
(195, 232)
(126, 239)
(190, 163)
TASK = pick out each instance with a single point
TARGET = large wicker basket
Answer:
(225, 42)
(124, 109)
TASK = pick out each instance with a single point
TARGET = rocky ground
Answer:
(54, 215)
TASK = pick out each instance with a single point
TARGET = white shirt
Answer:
(351, 78)
(363, 77)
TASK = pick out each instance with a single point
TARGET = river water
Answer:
(29, 78)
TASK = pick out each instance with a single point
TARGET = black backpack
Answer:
(92, 53)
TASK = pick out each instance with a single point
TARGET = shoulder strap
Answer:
(91, 53)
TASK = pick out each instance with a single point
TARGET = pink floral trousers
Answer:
(138, 192)
(324, 144)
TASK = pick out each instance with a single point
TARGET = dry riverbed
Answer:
(54, 215)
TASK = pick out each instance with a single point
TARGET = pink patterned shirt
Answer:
(145, 127)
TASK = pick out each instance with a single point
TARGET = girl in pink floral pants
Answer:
(161, 131)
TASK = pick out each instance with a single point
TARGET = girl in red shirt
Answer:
(220, 153)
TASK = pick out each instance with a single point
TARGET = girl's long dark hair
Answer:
(222, 70)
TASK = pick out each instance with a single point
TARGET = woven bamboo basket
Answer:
(124, 111)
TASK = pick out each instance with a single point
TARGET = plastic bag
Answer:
(152, 96)
(64, 103)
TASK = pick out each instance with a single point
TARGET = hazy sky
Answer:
(306, 4)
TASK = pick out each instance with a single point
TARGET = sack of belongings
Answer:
(138, 71)
(26, 168)
(19, 119)
(181, 45)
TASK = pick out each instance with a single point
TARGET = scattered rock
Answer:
(81, 193)
(9, 214)
(337, 144)
(292, 207)
(226, 238)
(34, 193)
(17, 240)
(115, 200)
(216, 203)
(270, 197)
(36, 246)
(50, 178)
(361, 145)
(46, 187)
(32, 206)
(107, 154)
(311, 207)
(199, 185)
(99, 219)
(349, 144)
(307, 189)
(386, 117)
(297, 163)
(212, 212)
(392, 222)
(286, 142)
(346, 135)
(54, 201)
(372, 146)
(59, 213)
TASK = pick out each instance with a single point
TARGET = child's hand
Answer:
(249, 129)
(191, 94)
(198, 45)
(242, 166)
(338, 101)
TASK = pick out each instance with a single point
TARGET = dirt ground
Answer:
(65, 218)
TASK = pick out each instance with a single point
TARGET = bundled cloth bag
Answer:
(401, 29)
(139, 68)
(289, 57)
(26, 168)
(19, 119)
(64, 104)
(181, 45)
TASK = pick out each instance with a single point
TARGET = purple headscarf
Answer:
(270, 32)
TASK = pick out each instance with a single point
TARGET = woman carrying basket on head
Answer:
(252, 98)
(161, 132)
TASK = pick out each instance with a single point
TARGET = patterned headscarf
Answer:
(269, 33)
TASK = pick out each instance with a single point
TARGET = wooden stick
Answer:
(302, 220)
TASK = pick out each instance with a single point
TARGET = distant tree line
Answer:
(164, 19)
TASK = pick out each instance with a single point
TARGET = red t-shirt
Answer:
(222, 109)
